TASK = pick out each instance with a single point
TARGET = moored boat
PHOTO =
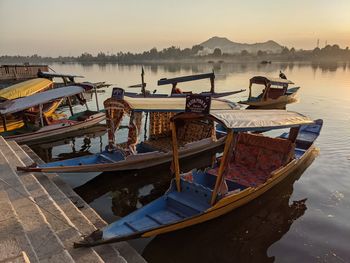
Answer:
(39, 127)
(274, 95)
(177, 92)
(23, 89)
(251, 165)
(195, 137)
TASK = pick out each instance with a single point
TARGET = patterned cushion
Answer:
(246, 155)
(269, 160)
(243, 175)
(275, 144)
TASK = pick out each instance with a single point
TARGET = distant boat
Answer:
(257, 164)
(275, 93)
(177, 92)
(265, 62)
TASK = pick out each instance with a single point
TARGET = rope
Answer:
(43, 208)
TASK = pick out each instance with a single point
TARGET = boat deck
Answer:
(41, 216)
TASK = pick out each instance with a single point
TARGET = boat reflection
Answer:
(44, 150)
(243, 235)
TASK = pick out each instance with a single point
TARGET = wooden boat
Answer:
(23, 89)
(14, 73)
(40, 128)
(251, 165)
(154, 150)
(70, 80)
(275, 94)
(175, 91)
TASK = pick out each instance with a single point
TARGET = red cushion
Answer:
(275, 144)
(243, 175)
(268, 160)
(246, 155)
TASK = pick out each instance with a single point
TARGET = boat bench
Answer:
(193, 199)
(255, 157)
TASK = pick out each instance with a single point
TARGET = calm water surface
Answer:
(305, 219)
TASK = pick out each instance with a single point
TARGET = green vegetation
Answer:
(328, 53)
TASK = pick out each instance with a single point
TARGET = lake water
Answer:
(305, 219)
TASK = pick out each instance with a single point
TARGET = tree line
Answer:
(329, 52)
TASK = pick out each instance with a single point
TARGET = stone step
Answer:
(125, 250)
(13, 239)
(45, 243)
(20, 258)
(51, 206)
(106, 252)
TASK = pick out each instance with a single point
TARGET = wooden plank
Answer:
(166, 81)
(175, 155)
(223, 163)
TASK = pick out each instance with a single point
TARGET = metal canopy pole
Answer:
(143, 88)
(41, 115)
(95, 89)
(86, 105)
(212, 84)
(70, 106)
(3, 117)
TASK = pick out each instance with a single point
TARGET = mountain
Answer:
(230, 47)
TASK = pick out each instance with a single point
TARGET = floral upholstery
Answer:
(269, 160)
(255, 157)
(248, 155)
(193, 131)
(115, 110)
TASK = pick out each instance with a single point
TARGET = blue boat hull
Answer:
(192, 204)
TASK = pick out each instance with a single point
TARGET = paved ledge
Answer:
(41, 216)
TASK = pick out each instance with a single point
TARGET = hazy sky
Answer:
(63, 27)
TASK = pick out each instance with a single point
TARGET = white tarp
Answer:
(174, 104)
(39, 98)
(251, 120)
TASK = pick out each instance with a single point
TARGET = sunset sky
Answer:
(62, 27)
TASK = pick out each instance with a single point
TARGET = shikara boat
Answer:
(175, 91)
(23, 89)
(251, 165)
(195, 137)
(70, 80)
(275, 93)
(37, 126)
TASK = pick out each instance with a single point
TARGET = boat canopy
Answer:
(38, 99)
(254, 120)
(172, 104)
(45, 74)
(166, 81)
(25, 88)
(269, 81)
(174, 81)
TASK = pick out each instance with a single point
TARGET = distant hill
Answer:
(230, 47)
